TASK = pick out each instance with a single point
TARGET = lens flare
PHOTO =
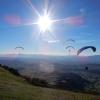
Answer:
(44, 22)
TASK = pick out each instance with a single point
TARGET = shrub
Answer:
(5, 67)
(26, 78)
(14, 71)
(39, 82)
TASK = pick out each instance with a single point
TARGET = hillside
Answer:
(15, 88)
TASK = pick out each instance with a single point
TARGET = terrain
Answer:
(62, 72)
(15, 88)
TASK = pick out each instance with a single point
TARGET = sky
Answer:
(70, 19)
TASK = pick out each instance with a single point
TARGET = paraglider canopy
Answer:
(86, 47)
(69, 47)
(19, 47)
(67, 41)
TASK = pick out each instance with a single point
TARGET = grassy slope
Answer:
(15, 88)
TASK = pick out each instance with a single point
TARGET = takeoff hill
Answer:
(15, 88)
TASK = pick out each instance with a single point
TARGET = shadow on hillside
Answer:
(71, 82)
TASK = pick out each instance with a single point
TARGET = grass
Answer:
(15, 88)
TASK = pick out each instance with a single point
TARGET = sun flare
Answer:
(44, 22)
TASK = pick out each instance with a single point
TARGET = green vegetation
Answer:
(15, 88)
(36, 81)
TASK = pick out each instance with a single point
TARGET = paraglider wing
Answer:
(19, 47)
(70, 46)
(86, 47)
(68, 40)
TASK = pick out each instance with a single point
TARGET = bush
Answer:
(43, 83)
(39, 82)
(26, 78)
(35, 81)
(0, 65)
(5, 67)
(14, 71)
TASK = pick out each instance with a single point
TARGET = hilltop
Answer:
(15, 88)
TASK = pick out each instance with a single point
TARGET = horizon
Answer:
(50, 55)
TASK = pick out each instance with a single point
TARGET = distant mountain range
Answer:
(53, 58)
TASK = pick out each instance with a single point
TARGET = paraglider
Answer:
(19, 47)
(86, 68)
(67, 41)
(70, 50)
(86, 47)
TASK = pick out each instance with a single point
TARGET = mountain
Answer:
(15, 88)
(51, 58)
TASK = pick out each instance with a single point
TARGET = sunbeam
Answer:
(54, 35)
(58, 20)
(34, 8)
(21, 25)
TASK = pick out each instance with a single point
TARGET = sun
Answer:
(44, 22)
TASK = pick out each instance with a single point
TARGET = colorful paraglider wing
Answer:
(86, 47)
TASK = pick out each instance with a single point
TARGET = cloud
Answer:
(83, 26)
(53, 41)
(75, 37)
(86, 34)
(85, 41)
(50, 41)
(82, 10)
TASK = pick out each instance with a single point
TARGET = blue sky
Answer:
(72, 19)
